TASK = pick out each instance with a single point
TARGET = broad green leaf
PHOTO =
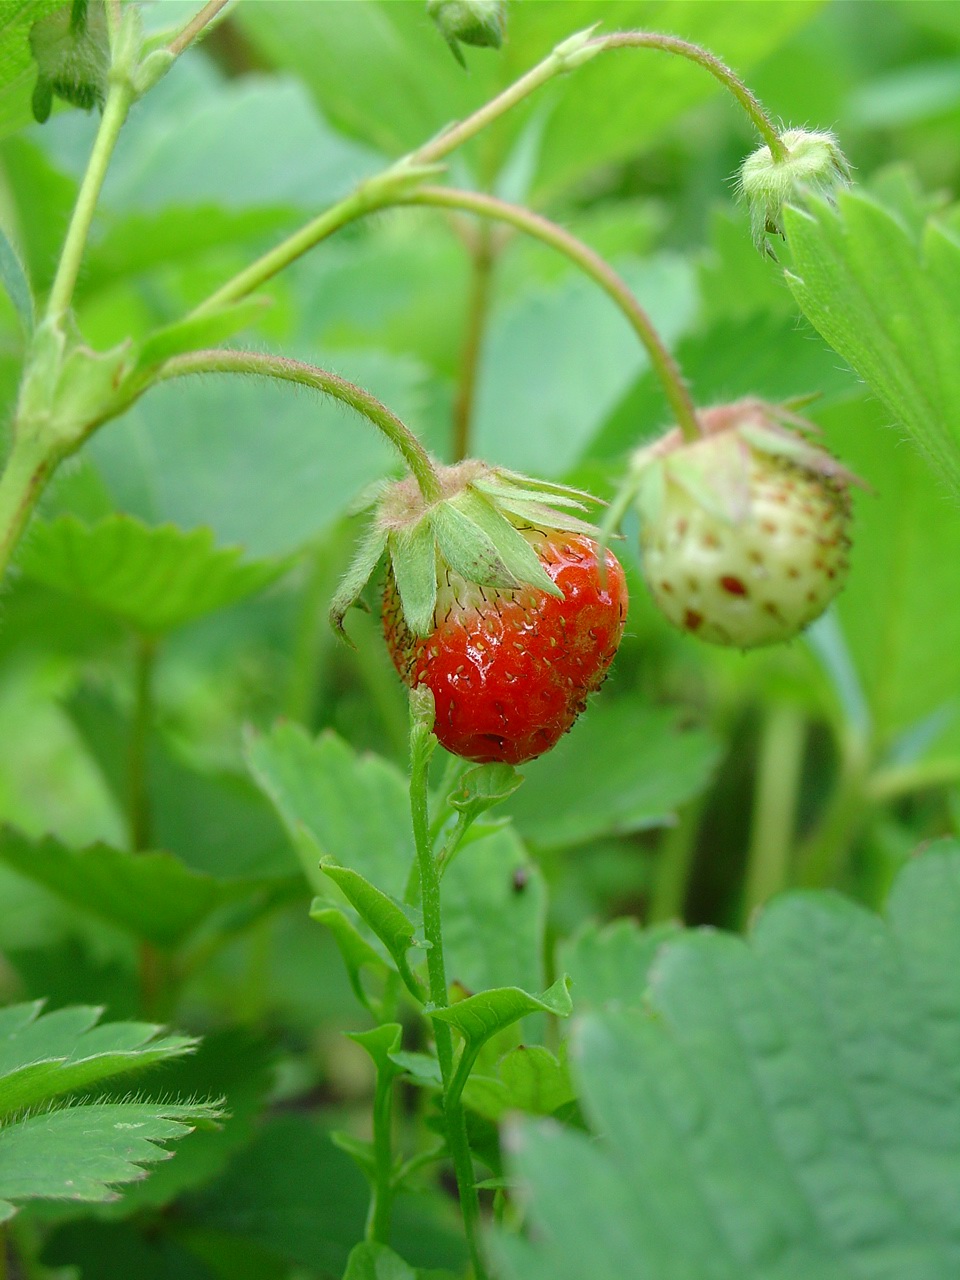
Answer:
(152, 895)
(624, 767)
(611, 965)
(558, 358)
(84, 1152)
(494, 915)
(354, 808)
(45, 1055)
(216, 821)
(152, 579)
(786, 1107)
(481, 1016)
(529, 1078)
(265, 466)
(18, 71)
(891, 307)
(896, 612)
(13, 276)
(385, 916)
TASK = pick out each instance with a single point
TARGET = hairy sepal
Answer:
(368, 555)
(413, 559)
(516, 554)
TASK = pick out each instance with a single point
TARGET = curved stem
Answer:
(589, 261)
(711, 63)
(115, 111)
(262, 365)
(196, 26)
(436, 973)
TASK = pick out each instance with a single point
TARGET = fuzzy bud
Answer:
(475, 22)
(814, 163)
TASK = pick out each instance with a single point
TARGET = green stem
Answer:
(899, 780)
(709, 62)
(590, 262)
(673, 867)
(115, 111)
(261, 365)
(779, 766)
(139, 805)
(478, 307)
(195, 26)
(824, 856)
(28, 468)
(436, 973)
(378, 1217)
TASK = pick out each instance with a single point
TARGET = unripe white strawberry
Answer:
(744, 532)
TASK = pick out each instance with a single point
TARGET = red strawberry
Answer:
(510, 670)
(495, 601)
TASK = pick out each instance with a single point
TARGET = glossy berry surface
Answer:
(510, 671)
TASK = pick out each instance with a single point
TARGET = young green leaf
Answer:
(481, 1016)
(388, 920)
(356, 951)
(529, 1078)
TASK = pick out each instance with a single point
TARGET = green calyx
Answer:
(471, 534)
(481, 23)
(814, 163)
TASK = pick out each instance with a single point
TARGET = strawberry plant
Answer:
(478, 666)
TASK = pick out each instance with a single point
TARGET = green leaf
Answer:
(529, 1078)
(494, 915)
(18, 71)
(356, 951)
(482, 787)
(84, 1152)
(355, 808)
(481, 1016)
(611, 965)
(904, 642)
(624, 767)
(152, 895)
(413, 559)
(385, 916)
(381, 1043)
(43, 1056)
(152, 579)
(890, 305)
(369, 1261)
(265, 466)
(208, 330)
(13, 275)
(787, 1106)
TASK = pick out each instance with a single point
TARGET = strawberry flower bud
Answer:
(814, 162)
(496, 601)
(475, 22)
(744, 532)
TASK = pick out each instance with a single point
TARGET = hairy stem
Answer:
(115, 111)
(779, 765)
(478, 306)
(710, 63)
(436, 972)
(262, 365)
(593, 265)
(195, 26)
(28, 468)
